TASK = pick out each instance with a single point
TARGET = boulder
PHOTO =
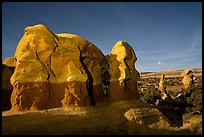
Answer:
(54, 70)
(150, 117)
(123, 75)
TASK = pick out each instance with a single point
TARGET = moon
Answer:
(159, 62)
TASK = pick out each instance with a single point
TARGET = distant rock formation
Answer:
(123, 75)
(61, 70)
(8, 66)
(187, 78)
(162, 86)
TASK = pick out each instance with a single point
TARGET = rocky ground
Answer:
(103, 119)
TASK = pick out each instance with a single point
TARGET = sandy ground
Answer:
(102, 119)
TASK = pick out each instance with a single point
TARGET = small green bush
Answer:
(194, 98)
(171, 82)
(151, 94)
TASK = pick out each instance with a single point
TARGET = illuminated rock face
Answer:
(123, 75)
(162, 87)
(54, 70)
(187, 78)
(61, 70)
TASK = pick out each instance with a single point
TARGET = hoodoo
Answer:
(54, 70)
(123, 75)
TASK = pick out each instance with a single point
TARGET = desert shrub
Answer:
(180, 101)
(151, 94)
(139, 84)
(171, 82)
(178, 83)
(141, 94)
(194, 98)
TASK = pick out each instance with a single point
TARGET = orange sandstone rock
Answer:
(162, 86)
(187, 78)
(54, 70)
(123, 75)
(62, 70)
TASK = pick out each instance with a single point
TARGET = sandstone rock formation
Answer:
(123, 75)
(54, 70)
(187, 78)
(150, 117)
(10, 62)
(8, 66)
(162, 87)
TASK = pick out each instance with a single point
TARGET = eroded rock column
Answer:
(162, 86)
(123, 75)
(187, 78)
